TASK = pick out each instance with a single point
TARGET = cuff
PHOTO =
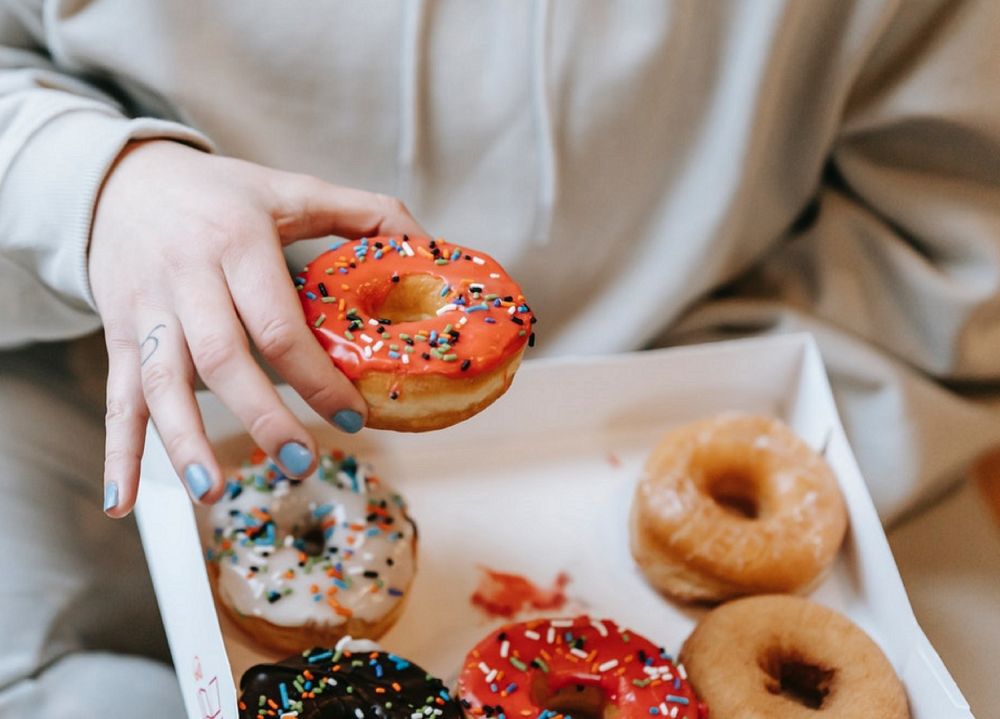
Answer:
(54, 183)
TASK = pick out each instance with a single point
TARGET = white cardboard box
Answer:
(538, 484)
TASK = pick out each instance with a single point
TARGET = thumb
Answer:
(306, 207)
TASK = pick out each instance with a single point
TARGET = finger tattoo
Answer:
(148, 347)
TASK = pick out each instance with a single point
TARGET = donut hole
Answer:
(736, 490)
(414, 298)
(797, 679)
(577, 700)
(311, 541)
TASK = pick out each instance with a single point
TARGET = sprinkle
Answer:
(674, 699)
(608, 665)
(521, 666)
(479, 260)
(319, 320)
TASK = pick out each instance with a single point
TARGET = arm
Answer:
(178, 251)
(58, 137)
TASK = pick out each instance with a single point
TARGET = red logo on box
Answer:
(208, 693)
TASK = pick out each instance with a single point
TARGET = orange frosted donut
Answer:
(735, 505)
(784, 656)
(573, 667)
(429, 332)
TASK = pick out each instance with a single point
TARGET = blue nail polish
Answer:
(349, 420)
(198, 480)
(110, 496)
(295, 457)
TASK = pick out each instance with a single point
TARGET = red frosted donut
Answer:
(582, 666)
(429, 332)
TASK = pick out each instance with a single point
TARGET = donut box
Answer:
(538, 488)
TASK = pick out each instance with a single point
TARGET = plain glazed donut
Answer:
(573, 667)
(300, 562)
(784, 656)
(429, 332)
(341, 683)
(735, 505)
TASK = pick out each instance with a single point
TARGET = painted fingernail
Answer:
(110, 496)
(296, 457)
(349, 420)
(198, 480)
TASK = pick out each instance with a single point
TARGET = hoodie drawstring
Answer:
(410, 71)
(545, 141)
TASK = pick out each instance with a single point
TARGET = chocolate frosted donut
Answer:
(322, 683)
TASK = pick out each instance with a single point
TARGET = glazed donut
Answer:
(430, 333)
(579, 666)
(300, 562)
(735, 505)
(784, 656)
(338, 683)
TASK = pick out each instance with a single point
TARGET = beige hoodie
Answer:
(823, 165)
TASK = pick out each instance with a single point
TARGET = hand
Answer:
(185, 262)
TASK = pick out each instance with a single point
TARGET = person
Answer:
(656, 175)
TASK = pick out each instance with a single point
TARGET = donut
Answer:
(579, 667)
(338, 683)
(300, 562)
(429, 332)
(785, 656)
(985, 471)
(734, 505)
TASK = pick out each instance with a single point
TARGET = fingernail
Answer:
(295, 457)
(198, 480)
(349, 420)
(110, 496)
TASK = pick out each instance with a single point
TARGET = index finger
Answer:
(306, 206)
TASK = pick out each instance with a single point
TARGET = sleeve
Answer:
(58, 137)
(896, 268)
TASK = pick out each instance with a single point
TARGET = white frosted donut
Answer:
(301, 563)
